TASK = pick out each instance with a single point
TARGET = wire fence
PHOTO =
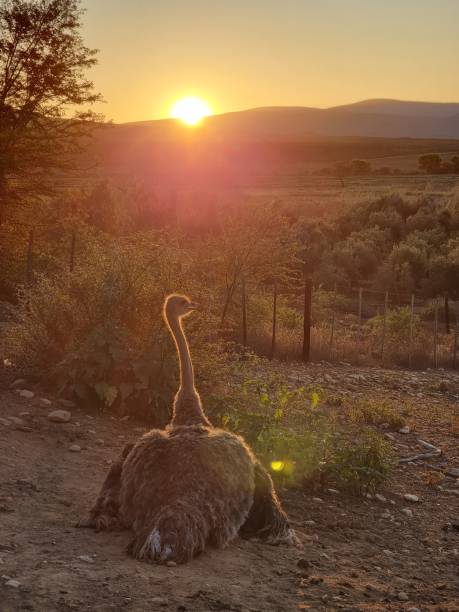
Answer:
(309, 322)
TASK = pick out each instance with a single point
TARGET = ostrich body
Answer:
(188, 486)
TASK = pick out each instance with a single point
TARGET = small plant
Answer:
(360, 465)
(375, 412)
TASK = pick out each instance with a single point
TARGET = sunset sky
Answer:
(240, 54)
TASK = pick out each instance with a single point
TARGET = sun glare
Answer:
(191, 110)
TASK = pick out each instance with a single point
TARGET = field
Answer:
(378, 553)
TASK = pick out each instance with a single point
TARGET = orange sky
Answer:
(241, 54)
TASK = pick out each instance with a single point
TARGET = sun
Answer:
(191, 110)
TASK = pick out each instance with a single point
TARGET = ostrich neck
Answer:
(187, 404)
(186, 365)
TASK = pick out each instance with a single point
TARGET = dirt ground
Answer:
(357, 554)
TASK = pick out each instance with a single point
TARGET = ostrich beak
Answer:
(193, 306)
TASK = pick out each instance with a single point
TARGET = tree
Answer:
(44, 120)
(430, 163)
(360, 167)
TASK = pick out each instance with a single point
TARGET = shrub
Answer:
(375, 412)
(97, 333)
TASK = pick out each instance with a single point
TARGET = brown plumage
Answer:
(191, 485)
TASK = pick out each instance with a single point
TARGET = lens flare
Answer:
(277, 466)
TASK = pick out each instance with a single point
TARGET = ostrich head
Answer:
(177, 306)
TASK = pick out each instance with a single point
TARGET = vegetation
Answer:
(42, 78)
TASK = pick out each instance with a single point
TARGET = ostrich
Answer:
(191, 485)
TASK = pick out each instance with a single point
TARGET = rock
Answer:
(19, 383)
(333, 491)
(25, 393)
(411, 498)
(404, 430)
(318, 500)
(75, 448)
(413, 610)
(66, 403)
(86, 558)
(160, 601)
(60, 416)
(14, 584)
(16, 421)
(402, 596)
(45, 402)
(303, 563)
(454, 472)
(5, 422)
(407, 512)
(380, 497)
(171, 563)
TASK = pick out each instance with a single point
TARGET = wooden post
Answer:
(273, 339)
(447, 326)
(29, 257)
(435, 352)
(456, 334)
(360, 309)
(383, 339)
(72, 251)
(307, 318)
(410, 345)
(244, 312)
(332, 329)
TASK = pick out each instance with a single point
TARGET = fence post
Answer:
(435, 355)
(360, 310)
(410, 345)
(244, 312)
(332, 330)
(72, 251)
(273, 339)
(447, 326)
(456, 334)
(383, 339)
(307, 318)
(29, 257)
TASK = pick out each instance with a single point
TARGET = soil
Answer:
(356, 554)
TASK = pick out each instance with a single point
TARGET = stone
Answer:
(454, 472)
(16, 421)
(303, 563)
(380, 497)
(413, 610)
(160, 601)
(66, 403)
(411, 498)
(86, 558)
(14, 584)
(59, 416)
(45, 402)
(25, 393)
(19, 383)
(171, 563)
(407, 512)
(404, 430)
(402, 596)
(75, 448)
(5, 422)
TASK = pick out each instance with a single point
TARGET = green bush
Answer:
(299, 443)
(375, 412)
(97, 334)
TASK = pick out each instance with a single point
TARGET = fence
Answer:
(358, 325)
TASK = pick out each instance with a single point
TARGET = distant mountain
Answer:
(369, 118)
(402, 108)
